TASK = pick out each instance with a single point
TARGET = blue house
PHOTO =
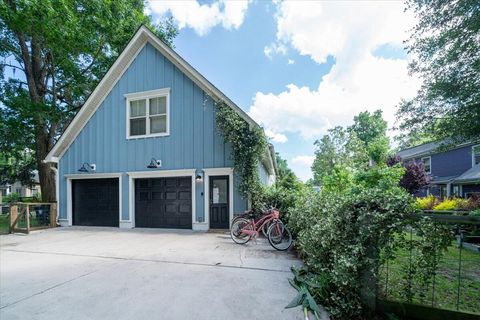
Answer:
(453, 172)
(144, 150)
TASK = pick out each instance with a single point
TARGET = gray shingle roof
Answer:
(471, 175)
(419, 150)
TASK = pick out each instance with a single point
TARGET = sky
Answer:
(298, 68)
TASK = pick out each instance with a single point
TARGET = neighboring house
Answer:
(454, 172)
(20, 189)
(148, 140)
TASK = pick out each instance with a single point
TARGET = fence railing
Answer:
(421, 275)
(25, 217)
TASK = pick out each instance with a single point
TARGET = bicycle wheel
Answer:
(265, 228)
(236, 230)
(279, 236)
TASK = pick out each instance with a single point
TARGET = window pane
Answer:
(476, 155)
(219, 191)
(138, 126)
(138, 108)
(158, 124)
(158, 105)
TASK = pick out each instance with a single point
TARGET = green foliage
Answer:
(56, 51)
(335, 231)
(12, 197)
(339, 180)
(446, 51)
(248, 148)
(303, 298)
(451, 204)
(285, 176)
(426, 203)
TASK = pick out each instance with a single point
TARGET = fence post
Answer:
(27, 215)
(368, 279)
(13, 216)
(53, 215)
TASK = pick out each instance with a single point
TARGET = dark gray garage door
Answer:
(95, 202)
(163, 203)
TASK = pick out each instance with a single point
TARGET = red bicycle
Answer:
(246, 229)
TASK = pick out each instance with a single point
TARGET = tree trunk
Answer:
(45, 173)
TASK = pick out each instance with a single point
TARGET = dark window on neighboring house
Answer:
(427, 163)
(443, 191)
(4, 192)
(456, 191)
(475, 155)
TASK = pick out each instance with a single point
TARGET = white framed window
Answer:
(475, 155)
(427, 164)
(148, 113)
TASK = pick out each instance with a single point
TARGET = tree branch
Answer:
(12, 66)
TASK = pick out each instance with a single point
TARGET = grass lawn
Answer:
(447, 280)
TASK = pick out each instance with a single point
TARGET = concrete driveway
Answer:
(107, 273)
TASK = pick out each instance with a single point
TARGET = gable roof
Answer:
(133, 48)
(471, 175)
(428, 149)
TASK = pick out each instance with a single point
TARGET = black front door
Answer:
(219, 202)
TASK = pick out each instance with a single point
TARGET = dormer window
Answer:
(148, 113)
(427, 164)
(475, 155)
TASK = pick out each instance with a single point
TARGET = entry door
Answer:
(219, 202)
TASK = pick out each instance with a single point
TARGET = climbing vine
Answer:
(248, 146)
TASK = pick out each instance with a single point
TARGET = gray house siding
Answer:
(451, 163)
(193, 143)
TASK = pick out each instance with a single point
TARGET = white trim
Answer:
(206, 191)
(121, 64)
(473, 154)
(430, 161)
(147, 95)
(159, 174)
(70, 177)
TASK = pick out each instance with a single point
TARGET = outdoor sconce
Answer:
(88, 168)
(154, 164)
(199, 176)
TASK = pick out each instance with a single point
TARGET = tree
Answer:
(286, 178)
(55, 52)
(371, 129)
(340, 148)
(446, 49)
(414, 177)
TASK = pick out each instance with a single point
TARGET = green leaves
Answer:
(445, 46)
(248, 148)
(303, 297)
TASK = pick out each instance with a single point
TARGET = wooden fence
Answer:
(25, 217)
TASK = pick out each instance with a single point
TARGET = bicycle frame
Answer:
(258, 225)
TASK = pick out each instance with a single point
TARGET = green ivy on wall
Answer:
(248, 147)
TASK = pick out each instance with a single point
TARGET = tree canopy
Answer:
(446, 49)
(54, 52)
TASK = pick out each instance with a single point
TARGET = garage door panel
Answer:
(95, 202)
(168, 204)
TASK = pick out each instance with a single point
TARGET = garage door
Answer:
(95, 202)
(163, 203)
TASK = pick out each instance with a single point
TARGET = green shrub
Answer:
(426, 203)
(12, 197)
(451, 204)
(475, 213)
(335, 232)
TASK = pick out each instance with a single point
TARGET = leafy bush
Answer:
(283, 199)
(451, 204)
(336, 231)
(12, 197)
(426, 203)
(475, 213)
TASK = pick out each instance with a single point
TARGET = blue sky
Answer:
(298, 67)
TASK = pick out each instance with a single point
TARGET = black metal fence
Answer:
(422, 274)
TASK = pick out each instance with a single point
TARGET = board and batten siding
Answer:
(193, 141)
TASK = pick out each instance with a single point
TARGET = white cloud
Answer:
(201, 17)
(274, 48)
(276, 137)
(290, 61)
(301, 165)
(303, 160)
(350, 32)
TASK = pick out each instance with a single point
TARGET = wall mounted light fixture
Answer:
(154, 164)
(88, 168)
(199, 176)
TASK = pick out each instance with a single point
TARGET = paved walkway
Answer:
(108, 273)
